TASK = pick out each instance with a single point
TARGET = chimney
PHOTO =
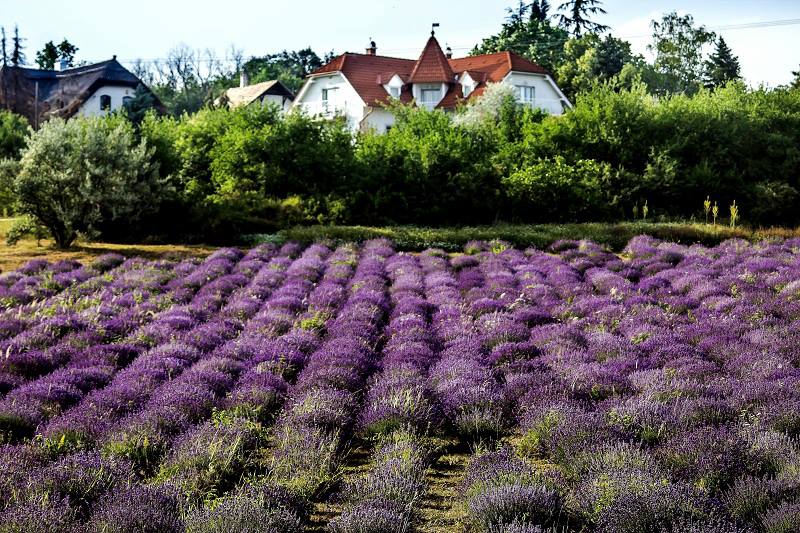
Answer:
(373, 48)
(448, 53)
(244, 78)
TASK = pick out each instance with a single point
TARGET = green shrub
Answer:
(75, 175)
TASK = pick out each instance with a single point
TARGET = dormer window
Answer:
(468, 89)
(429, 95)
(394, 92)
(105, 102)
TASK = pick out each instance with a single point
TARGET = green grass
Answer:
(615, 236)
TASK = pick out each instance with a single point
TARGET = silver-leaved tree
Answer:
(78, 174)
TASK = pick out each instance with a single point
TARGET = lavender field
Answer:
(327, 388)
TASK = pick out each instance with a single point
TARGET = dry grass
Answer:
(12, 257)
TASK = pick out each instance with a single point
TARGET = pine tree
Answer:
(577, 18)
(721, 67)
(539, 10)
(796, 81)
(18, 53)
(3, 45)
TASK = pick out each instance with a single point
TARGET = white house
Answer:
(264, 93)
(87, 90)
(358, 86)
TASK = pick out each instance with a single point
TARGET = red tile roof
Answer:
(368, 73)
(432, 65)
(496, 65)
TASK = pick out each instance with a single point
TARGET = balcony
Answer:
(325, 108)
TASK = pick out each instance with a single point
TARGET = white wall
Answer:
(379, 120)
(546, 97)
(91, 107)
(281, 101)
(347, 102)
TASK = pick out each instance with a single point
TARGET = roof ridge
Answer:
(433, 59)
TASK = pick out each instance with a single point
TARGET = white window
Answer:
(468, 89)
(329, 99)
(394, 92)
(526, 94)
(430, 96)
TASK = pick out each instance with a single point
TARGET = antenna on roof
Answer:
(433, 28)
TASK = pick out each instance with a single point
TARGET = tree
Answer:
(533, 38)
(678, 46)
(13, 134)
(79, 174)
(796, 81)
(590, 59)
(18, 52)
(577, 16)
(3, 45)
(137, 107)
(540, 10)
(722, 66)
(48, 56)
(288, 67)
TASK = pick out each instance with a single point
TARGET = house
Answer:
(88, 90)
(358, 86)
(268, 92)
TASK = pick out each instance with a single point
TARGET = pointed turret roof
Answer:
(432, 65)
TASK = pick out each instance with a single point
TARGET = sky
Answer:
(147, 29)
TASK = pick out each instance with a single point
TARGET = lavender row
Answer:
(87, 361)
(209, 459)
(662, 396)
(181, 403)
(322, 404)
(399, 409)
(170, 344)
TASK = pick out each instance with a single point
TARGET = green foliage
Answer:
(678, 46)
(529, 36)
(9, 169)
(425, 170)
(25, 227)
(557, 190)
(796, 81)
(576, 19)
(75, 175)
(722, 66)
(288, 67)
(14, 132)
(589, 60)
(47, 57)
(140, 104)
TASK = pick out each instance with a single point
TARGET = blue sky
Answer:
(147, 29)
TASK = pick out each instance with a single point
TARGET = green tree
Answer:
(137, 107)
(796, 81)
(3, 50)
(540, 10)
(47, 57)
(13, 134)
(678, 46)
(18, 50)
(76, 175)
(576, 19)
(589, 60)
(722, 66)
(529, 36)
(290, 67)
